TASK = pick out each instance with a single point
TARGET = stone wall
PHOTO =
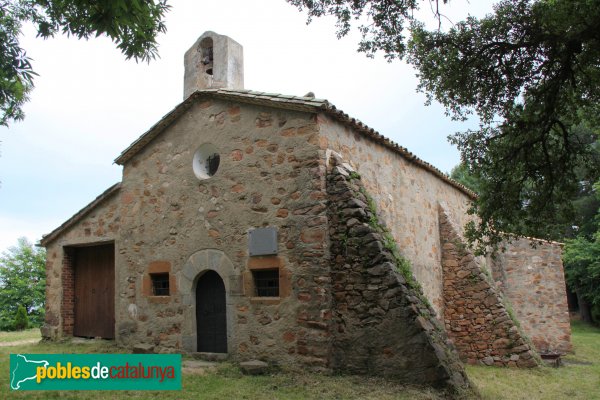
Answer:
(475, 315)
(271, 173)
(100, 224)
(406, 196)
(533, 280)
(382, 325)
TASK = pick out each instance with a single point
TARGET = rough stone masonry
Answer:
(382, 324)
(169, 249)
(475, 313)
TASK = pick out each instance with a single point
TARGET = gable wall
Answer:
(407, 198)
(271, 173)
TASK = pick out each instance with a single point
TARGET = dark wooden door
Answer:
(94, 269)
(211, 314)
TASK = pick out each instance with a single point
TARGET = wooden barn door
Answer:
(95, 291)
(211, 314)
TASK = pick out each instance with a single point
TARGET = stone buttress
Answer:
(382, 323)
(475, 314)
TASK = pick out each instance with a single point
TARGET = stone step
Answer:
(197, 367)
(254, 367)
(210, 356)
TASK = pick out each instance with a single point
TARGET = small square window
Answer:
(160, 284)
(266, 282)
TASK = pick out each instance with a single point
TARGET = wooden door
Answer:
(94, 270)
(211, 314)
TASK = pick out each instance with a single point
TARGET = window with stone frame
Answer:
(266, 282)
(160, 284)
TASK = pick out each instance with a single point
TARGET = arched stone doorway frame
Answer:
(196, 265)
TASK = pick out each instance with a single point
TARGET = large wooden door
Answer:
(94, 270)
(211, 318)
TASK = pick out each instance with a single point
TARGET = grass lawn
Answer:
(578, 379)
(226, 382)
(33, 333)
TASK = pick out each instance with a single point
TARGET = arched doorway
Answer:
(198, 264)
(211, 315)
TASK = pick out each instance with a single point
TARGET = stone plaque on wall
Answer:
(262, 241)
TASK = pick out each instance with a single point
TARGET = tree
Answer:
(581, 258)
(582, 270)
(463, 175)
(21, 320)
(530, 72)
(133, 26)
(22, 283)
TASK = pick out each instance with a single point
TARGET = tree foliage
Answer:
(385, 25)
(530, 72)
(22, 283)
(582, 270)
(581, 258)
(463, 175)
(21, 320)
(586, 213)
(133, 25)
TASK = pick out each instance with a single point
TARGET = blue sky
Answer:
(90, 103)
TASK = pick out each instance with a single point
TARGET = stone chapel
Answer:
(278, 228)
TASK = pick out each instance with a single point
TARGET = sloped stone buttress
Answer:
(382, 325)
(475, 314)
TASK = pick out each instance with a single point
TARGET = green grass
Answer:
(33, 333)
(579, 379)
(226, 382)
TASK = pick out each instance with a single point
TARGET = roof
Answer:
(306, 104)
(80, 214)
(297, 103)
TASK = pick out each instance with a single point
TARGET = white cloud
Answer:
(90, 103)
(13, 228)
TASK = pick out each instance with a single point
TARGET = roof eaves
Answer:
(155, 129)
(306, 104)
(297, 103)
(46, 239)
(403, 151)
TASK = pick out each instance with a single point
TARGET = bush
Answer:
(21, 319)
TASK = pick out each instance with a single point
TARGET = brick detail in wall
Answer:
(67, 309)
(475, 316)
(381, 325)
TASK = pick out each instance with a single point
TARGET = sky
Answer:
(89, 103)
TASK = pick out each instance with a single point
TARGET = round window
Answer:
(206, 161)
